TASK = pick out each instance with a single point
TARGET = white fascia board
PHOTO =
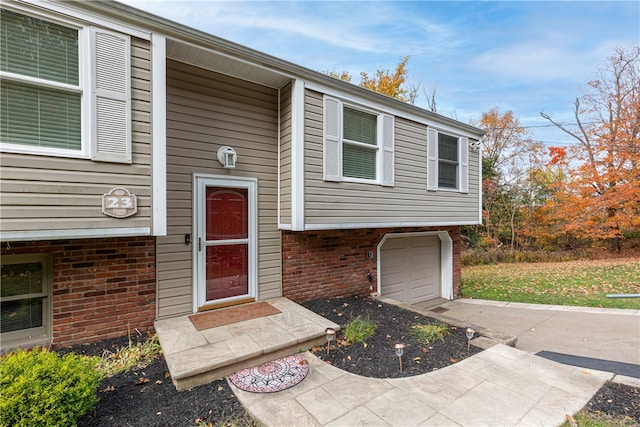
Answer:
(68, 8)
(480, 184)
(86, 233)
(297, 156)
(316, 227)
(159, 134)
(279, 166)
(443, 125)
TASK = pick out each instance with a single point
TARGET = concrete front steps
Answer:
(200, 357)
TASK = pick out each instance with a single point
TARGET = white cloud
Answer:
(519, 56)
(370, 27)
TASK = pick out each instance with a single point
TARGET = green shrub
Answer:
(359, 329)
(430, 333)
(42, 388)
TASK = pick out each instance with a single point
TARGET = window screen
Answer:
(359, 126)
(22, 296)
(359, 160)
(447, 161)
(34, 112)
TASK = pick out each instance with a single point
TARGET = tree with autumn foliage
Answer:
(600, 198)
(509, 155)
(384, 81)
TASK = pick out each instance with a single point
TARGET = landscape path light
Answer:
(399, 349)
(330, 333)
(470, 333)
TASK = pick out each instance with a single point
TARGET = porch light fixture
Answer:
(470, 333)
(399, 349)
(474, 145)
(330, 333)
(227, 157)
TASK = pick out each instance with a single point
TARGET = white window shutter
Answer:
(432, 159)
(111, 96)
(388, 150)
(464, 164)
(332, 144)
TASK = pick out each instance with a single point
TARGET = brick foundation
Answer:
(333, 263)
(101, 287)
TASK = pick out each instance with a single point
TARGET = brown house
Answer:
(150, 170)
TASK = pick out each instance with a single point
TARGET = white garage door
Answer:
(410, 268)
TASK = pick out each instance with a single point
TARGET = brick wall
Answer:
(333, 263)
(101, 287)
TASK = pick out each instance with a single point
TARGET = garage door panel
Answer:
(394, 243)
(410, 268)
(422, 292)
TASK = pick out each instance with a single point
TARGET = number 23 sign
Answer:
(119, 203)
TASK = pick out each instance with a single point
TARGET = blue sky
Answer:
(522, 56)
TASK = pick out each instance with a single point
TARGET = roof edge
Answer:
(206, 40)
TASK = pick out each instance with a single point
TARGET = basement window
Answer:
(25, 299)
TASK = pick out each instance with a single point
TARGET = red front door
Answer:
(226, 245)
(227, 240)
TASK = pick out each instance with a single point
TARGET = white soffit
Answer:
(224, 64)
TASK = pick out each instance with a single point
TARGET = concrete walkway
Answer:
(500, 386)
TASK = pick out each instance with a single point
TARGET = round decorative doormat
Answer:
(272, 376)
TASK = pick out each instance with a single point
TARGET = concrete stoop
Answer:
(200, 357)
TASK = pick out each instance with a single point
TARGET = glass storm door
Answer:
(225, 240)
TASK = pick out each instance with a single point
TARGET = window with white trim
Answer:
(65, 89)
(25, 299)
(358, 144)
(448, 162)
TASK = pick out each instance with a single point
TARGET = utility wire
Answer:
(546, 126)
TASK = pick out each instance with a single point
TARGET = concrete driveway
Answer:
(607, 335)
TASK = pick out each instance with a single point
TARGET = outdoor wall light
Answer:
(399, 349)
(330, 333)
(470, 333)
(227, 157)
(474, 145)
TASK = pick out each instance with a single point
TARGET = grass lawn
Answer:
(579, 283)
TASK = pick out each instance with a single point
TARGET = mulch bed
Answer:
(377, 359)
(147, 397)
(616, 400)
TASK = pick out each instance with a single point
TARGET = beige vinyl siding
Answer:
(285, 155)
(407, 202)
(57, 193)
(205, 111)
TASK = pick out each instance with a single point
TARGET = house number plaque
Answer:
(119, 203)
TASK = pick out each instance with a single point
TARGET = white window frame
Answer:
(88, 92)
(44, 333)
(82, 87)
(433, 161)
(455, 162)
(334, 142)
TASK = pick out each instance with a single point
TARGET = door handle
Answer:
(199, 244)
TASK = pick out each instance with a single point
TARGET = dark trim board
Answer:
(618, 368)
